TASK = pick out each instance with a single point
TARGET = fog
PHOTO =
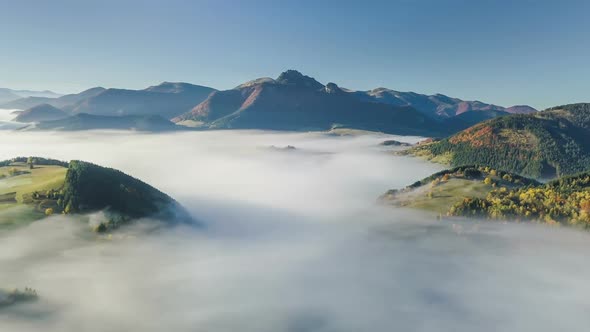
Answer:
(6, 117)
(290, 240)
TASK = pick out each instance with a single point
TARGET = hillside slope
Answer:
(481, 191)
(565, 201)
(50, 186)
(440, 191)
(554, 142)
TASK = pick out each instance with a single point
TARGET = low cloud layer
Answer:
(292, 241)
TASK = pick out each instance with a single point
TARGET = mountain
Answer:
(436, 106)
(553, 142)
(83, 121)
(298, 102)
(46, 186)
(60, 102)
(66, 100)
(520, 109)
(32, 93)
(43, 112)
(6, 95)
(167, 100)
(26, 103)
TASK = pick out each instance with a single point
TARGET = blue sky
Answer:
(504, 52)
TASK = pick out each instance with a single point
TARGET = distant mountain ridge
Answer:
(168, 99)
(292, 101)
(60, 102)
(438, 105)
(7, 95)
(295, 101)
(84, 121)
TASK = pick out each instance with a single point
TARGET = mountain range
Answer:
(292, 101)
(296, 101)
(7, 95)
(167, 100)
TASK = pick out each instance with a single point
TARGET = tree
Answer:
(68, 208)
(31, 162)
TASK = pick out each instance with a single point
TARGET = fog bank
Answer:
(293, 241)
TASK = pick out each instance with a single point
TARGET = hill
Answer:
(15, 296)
(78, 187)
(564, 201)
(477, 191)
(43, 112)
(297, 102)
(440, 191)
(153, 123)
(8, 95)
(167, 100)
(550, 143)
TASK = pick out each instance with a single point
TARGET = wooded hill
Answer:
(551, 143)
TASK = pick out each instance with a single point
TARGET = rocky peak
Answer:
(332, 88)
(293, 77)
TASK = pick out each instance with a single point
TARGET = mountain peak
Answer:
(293, 77)
(332, 88)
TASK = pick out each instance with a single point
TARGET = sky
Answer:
(502, 52)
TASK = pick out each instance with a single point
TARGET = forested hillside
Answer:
(551, 143)
(563, 201)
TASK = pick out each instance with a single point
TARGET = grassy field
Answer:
(14, 187)
(40, 178)
(424, 153)
(440, 198)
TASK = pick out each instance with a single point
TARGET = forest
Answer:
(547, 144)
(563, 201)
